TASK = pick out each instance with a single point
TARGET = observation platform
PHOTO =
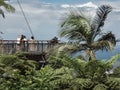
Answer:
(11, 46)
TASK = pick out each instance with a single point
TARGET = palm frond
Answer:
(112, 61)
(8, 60)
(100, 18)
(95, 70)
(75, 26)
(106, 42)
(1, 12)
(113, 83)
(102, 45)
(8, 7)
(116, 71)
(100, 87)
(108, 37)
(81, 84)
(51, 78)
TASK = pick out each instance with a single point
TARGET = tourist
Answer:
(18, 47)
(22, 43)
(25, 43)
(18, 39)
(54, 41)
(32, 44)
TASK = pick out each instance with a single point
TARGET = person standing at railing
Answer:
(32, 44)
(18, 47)
(54, 41)
(23, 43)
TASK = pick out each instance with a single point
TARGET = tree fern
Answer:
(113, 83)
(110, 63)
(50, 79)
(8, 60)
(82, 84)
(116, 72)
(100, 87)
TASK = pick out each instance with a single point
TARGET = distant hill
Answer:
(107, 54)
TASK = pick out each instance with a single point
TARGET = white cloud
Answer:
(88, 5)
(65, 6)
(117, 10)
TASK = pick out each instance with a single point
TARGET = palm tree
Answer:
(87, 31)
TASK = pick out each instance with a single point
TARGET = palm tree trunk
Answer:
(91, 54)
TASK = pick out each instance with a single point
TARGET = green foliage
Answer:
(18, 74)
(116, 72)
(95, 70)
(22, 55)
(8, 60)
(113, 83)
(89, 75)
(112, 61)
(49, 79)
(15, 73)
(81, 84)
(69, 74)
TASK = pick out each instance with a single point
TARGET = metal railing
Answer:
(11, 46)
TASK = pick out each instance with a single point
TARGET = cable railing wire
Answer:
(25, 18)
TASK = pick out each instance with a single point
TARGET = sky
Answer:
(44, 17)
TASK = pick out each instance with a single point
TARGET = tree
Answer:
(87, 32)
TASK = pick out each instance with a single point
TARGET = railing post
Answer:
(1, 47)
(48, 43)
(38, 46)
(13, 47)
(42, 46)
